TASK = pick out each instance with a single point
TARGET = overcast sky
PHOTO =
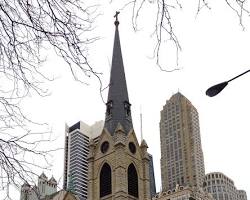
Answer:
(214, 49)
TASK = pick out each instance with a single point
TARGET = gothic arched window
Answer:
(127, 108)
(105, 180)
(109, 107)
(132, 181)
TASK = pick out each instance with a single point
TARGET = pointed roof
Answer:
(118, 106)
(178, 97)
(43, 176)
(52, 180)
(25, 184)
(61, 195)
(144, 144)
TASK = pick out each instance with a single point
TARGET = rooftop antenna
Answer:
(141, 123)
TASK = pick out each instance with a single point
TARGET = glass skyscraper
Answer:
(75, 156)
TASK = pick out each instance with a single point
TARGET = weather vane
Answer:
(116, 17)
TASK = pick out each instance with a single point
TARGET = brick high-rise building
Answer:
(182, 160)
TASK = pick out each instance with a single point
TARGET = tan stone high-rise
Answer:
(222, 187)
(182, 160)
(118, 167)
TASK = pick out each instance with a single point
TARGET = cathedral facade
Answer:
(118, 166)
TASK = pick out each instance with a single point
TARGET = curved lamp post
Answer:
(216, 89)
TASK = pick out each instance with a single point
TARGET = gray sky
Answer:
(214, 49)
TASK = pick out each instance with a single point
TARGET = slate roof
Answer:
(118, 106)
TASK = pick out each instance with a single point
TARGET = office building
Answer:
(222, 187)
(242, 195)
(182, 160)
(151, 176)
(75, 156)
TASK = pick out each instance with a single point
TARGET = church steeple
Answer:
(117, 106)
(118, 167)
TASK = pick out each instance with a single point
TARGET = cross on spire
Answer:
(116, 18)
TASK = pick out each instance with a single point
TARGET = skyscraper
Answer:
(75, 156)
(118, 164)
(182, 160)
(151, 176)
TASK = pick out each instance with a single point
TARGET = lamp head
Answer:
(214, 90)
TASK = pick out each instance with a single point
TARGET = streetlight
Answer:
(216, 89)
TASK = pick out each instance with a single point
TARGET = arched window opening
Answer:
(109, 107)
(127, 108)
(105, 180)
(132, 181)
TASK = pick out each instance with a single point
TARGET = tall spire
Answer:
(117, 106)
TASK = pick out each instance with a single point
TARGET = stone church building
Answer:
(118, 166)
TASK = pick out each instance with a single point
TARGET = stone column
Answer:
(120, 184)
(91, 170)
(145, 168)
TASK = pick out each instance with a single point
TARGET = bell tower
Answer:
(118, 166)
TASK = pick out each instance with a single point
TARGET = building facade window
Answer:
(132, 181)
(105, 180)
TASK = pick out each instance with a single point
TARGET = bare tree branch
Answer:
(240, 8)
(164, 23)
(31, 28)
(163, 27)
(28, 30)
(27, 27)
(202, 4)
